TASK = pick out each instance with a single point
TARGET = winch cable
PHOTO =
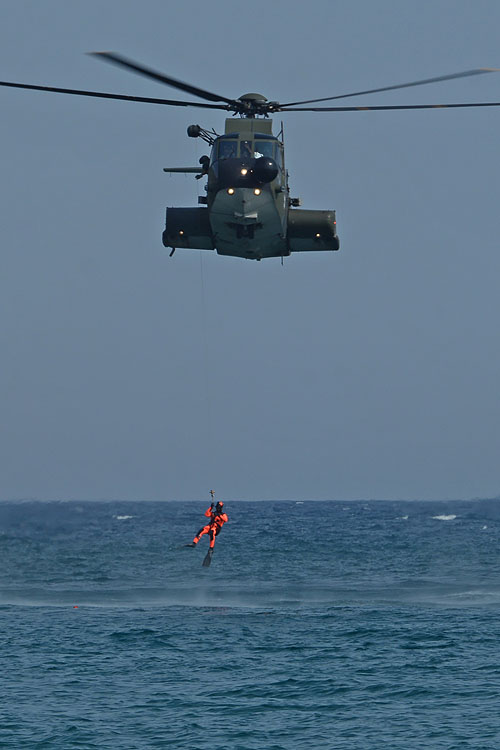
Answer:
(205, 355)
(207, 447)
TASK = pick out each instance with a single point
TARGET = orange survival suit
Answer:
(217, 520)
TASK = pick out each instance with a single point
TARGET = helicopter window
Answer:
(246, 151)
(264, 148)
(228, 149)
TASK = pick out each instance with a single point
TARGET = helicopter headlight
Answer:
(230, 191)
(257, 191)
(244, 171)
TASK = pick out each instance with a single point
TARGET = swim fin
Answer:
(208, 558)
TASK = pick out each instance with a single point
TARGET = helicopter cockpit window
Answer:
(278, 157)
(228, 149)
(264, 148)
(246, 151)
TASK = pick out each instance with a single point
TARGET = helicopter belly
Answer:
(247, 225)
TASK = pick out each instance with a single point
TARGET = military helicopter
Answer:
(247, 211)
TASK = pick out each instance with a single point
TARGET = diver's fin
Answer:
(191, 544)
(208, 558)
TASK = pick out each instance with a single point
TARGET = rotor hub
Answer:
(252, 104)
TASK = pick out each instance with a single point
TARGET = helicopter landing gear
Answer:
(173, 251)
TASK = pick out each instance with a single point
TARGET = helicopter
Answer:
(247, 211)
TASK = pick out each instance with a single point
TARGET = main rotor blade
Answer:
(116, 59)
(464, 74)
(393, 106)
(102, 95)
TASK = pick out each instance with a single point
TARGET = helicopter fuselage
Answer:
(255, 221)
(249, 213)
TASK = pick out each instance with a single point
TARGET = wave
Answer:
(451, 517)
(271, 597)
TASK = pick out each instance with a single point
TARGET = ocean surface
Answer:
(331, 625)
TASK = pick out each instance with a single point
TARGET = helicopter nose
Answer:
(234, 173)
(243, 204)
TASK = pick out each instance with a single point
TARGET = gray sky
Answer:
(368, 373)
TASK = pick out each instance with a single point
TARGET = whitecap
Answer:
(122, 518)
(484, 527)
(403, 518)
(445, 518)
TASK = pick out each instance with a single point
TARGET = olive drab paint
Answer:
(249, 212)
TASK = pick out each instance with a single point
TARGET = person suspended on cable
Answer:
(217, 517)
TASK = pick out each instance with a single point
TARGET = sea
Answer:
(318, 626)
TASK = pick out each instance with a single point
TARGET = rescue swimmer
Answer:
(217, 518)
